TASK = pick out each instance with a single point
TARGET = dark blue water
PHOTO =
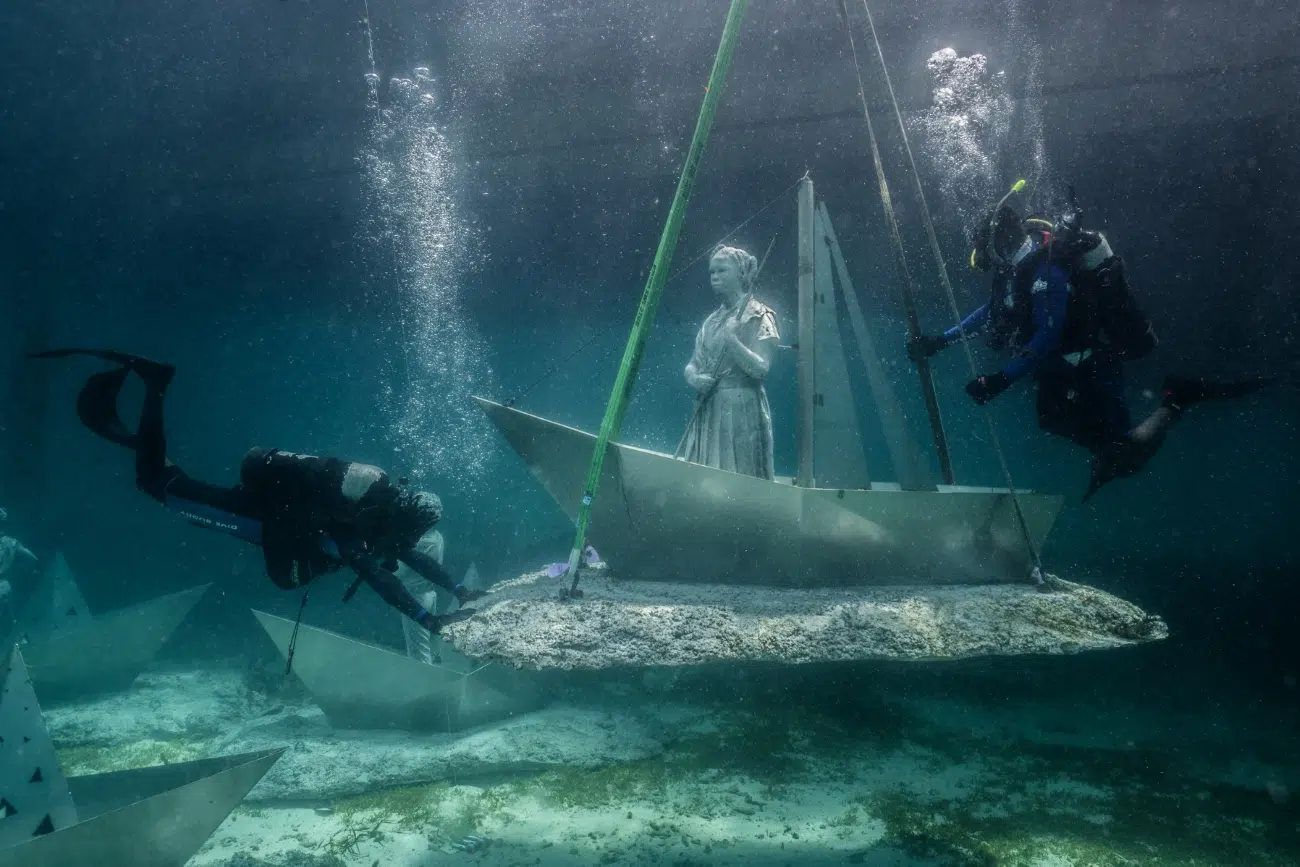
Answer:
(189, 183)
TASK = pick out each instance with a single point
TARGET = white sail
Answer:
(839, 458)
(913, 473)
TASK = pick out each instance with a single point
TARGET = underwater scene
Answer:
(693, 432)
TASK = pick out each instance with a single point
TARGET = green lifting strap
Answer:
(645, 314)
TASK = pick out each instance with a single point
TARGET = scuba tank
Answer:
(305, 500)
(1105, 313)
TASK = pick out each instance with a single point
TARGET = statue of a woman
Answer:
(732, 425)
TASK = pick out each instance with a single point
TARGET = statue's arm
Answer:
(696, 378)
(755, 362)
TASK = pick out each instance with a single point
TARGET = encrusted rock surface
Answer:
(523, 622)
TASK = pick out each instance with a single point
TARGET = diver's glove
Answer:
(465, 594)
(435, 622)
(985, 388)
(923, 346)
(429, 621)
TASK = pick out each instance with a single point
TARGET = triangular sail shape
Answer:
(34, 797)
(57, 605)
(109, 651)
(839, 459)
(913, 473)
(682, 522)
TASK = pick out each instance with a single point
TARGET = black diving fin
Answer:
(121, 358)
(154, 373)
(97, 401)
(1101, 472)
(97, 407)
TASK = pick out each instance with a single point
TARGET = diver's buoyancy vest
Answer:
(302, 498)
(1102, 313)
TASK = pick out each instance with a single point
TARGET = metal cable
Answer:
(1037, 571)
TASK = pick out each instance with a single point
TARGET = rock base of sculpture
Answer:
(629, 623)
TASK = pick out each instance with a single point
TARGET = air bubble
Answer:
(411, 182)
(964, 131)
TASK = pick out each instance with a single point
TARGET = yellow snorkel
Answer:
(1015, 188)
(993, 221)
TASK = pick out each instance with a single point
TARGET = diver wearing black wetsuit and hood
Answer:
(310, 515)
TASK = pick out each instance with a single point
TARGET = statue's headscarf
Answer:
(746, 264)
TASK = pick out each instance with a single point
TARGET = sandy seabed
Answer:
(776, 765)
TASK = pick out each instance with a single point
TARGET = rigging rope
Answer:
(909, 288)
(1037, 571)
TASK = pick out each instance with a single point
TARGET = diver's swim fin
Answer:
(97, 401)
(1181, 392)
(155, 374)
(97, 407)
(1101, 473)
(121, 358)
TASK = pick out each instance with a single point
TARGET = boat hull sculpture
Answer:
(361, 686)
(661, 519)
(151, 817)
(146, 817)
(108, 652)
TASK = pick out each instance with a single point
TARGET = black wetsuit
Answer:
(1057, 329)
(310, 515)
(1080, 382)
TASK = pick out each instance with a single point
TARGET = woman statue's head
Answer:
(732, 271)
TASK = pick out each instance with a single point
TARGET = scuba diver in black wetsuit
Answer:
(1061, 301)
(310, 515)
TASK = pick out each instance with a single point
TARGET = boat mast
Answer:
(805, 365)
(906, 284)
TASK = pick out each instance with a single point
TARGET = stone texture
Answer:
(625, 623)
